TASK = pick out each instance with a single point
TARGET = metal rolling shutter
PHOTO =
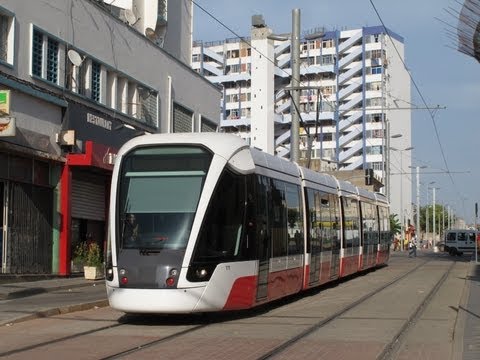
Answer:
(88, 196)
(208, 126)
(182, 119)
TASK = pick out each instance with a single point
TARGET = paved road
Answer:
(26, 300)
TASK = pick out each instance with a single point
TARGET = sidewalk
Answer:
(21, 301)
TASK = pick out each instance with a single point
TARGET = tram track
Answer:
(282, 347)
(393, 347)
(198, 324)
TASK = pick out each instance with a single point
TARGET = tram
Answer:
(203, 222)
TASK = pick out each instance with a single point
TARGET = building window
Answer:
(45, 57)
(6, 38)
(148, 106)
(162, 10)
(376, 70)
(37, 53)
(96, 72)
(52, 61)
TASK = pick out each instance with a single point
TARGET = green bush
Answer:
(80, 253)
(93, 255)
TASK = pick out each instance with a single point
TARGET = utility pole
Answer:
(295, 83)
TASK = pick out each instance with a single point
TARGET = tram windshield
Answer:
(159, 190)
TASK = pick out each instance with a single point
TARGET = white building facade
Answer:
(354, 82)
(78, 78)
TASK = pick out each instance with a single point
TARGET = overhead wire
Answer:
(418, 91)
(242, 39)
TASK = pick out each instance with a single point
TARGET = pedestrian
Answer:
(412, 247)
(396, 243)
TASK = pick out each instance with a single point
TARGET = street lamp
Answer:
(417, 223)
(401, 187)
(433, 215)
(427, 219)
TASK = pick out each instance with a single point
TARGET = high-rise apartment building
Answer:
(354, 101)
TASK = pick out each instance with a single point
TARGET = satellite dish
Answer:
(74, 57)
(130, 16)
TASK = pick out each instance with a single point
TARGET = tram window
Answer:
(314, 244)
(335, 219)
(351, 223)
(223, 229)
(384, 220)
(161, 186)
(370, 223)
(295, 220)
(279, 219)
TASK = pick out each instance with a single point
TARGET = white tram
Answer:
(203, 222)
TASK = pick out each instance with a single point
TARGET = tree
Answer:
(441, 218)
(395, 226)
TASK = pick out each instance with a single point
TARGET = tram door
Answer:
(335, 263)
(262, 236)
(335, 234)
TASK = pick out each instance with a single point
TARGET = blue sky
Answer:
(443, 75)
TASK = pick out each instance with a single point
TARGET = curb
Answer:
(15, 294)
(57, 311)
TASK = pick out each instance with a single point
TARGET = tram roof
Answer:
(225, 145)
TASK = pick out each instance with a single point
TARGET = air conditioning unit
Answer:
(65, 138)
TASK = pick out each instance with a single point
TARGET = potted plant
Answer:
(93, 266)
(79, 256)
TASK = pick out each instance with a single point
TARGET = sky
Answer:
(445, 141)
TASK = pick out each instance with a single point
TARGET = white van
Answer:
(462, 241)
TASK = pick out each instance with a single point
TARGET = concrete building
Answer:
(354, 82)
(78, 78)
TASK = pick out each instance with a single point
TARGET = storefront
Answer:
(85, 179)
(27, 214)
(30, 166)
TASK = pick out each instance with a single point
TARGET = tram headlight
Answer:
(123, 276)
(109, 274)
(173, 272)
